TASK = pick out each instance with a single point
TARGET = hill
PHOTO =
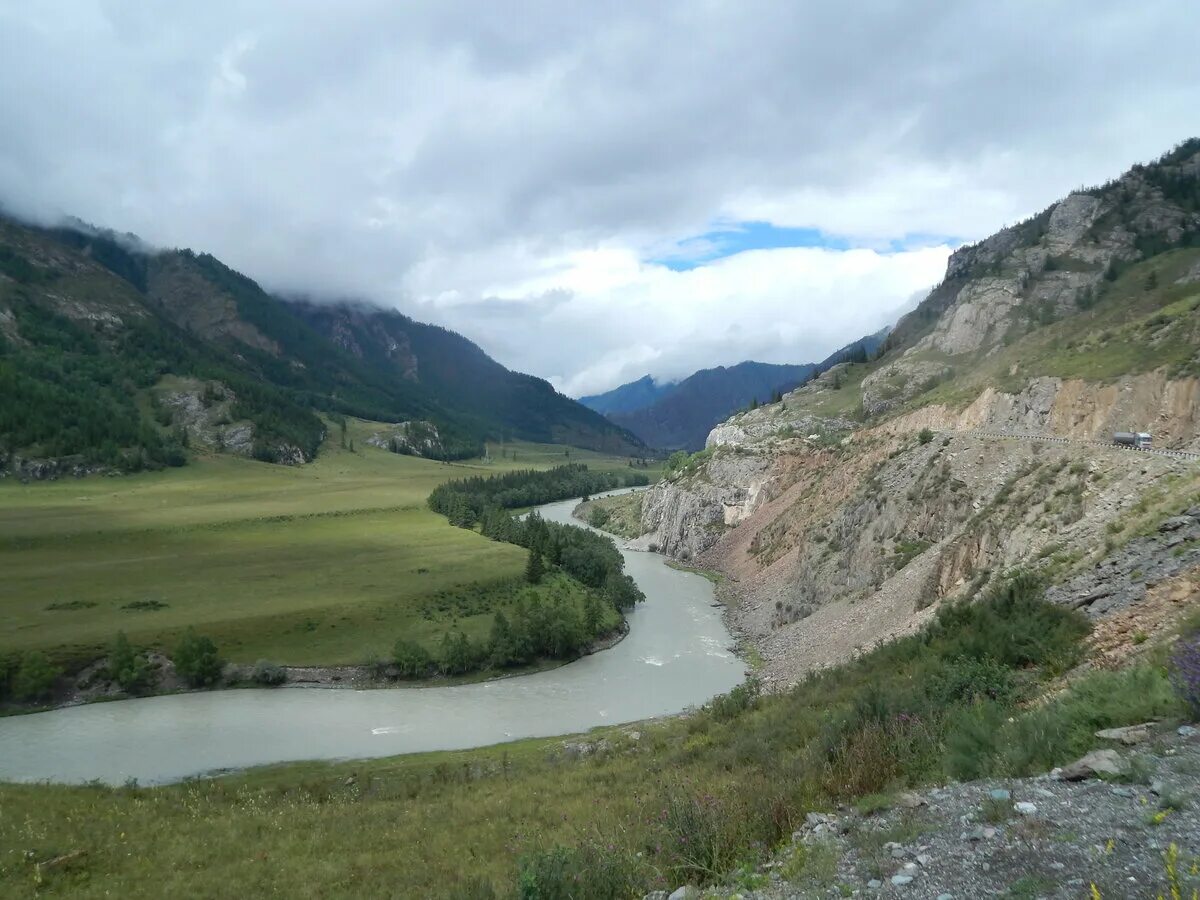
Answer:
(978, 440)
(680, 415)
(116, 356)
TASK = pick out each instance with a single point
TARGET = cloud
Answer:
(623, 317)
(510, 169)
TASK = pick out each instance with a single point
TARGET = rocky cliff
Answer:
(977, 442)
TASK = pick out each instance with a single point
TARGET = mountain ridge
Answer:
(113, 357)
(680, 414)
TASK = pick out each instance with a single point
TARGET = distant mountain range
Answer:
(115, 355)
(680, 415)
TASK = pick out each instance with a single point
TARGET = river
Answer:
(676, 655)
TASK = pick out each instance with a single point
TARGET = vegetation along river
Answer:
(675, 656)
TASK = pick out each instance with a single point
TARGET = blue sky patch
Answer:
(729, 239)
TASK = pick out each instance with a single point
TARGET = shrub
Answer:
(411, 659)
(34, 677)
(458, 655)
(729, 706)
(267, 673)
(1184, 669)
(128, 667)
(1014, 626)
(925, 436)
(586, 872)
(966, 679)
(196, 660)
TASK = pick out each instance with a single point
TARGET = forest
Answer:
(466, 501)
(535, 630)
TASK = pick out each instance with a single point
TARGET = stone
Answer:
(1123, 792)
(1186, 731)
(687, 892)
(898, 853)
(999, 794)
(1129, 735)
(812, 819)
(655, 895)
(874, 884)
(1174, 523)
(945, 897)
(901, 880)
(1025, 808)
(909, 800)
(1098, 762)
(924, 859)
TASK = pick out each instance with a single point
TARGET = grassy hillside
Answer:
(327, 563)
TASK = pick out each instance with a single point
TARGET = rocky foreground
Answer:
(1120, 823)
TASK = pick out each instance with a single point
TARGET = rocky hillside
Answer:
(116, 356)
(978, 441)
(1120, 822)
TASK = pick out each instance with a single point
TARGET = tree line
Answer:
(466, 501)
(554, 628)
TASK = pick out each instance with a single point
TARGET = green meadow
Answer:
(326, 563)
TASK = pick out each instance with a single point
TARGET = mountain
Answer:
(628, 397)
(680, 415)
(685, 412)
(461, 377)
(976, 444)
(118, 356)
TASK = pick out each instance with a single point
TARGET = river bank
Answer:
(674, 654)
(89, 686)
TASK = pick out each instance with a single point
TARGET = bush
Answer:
(925, 436)
(196, 660)
(411, 659)
(966, 680)
(1184, 668)
(1013, 626)
(267, 673)
(128, 667)
(729, 706)
(458, 655)
(34, 677)
(586, 872)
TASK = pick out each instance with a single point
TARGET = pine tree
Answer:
(534, 568)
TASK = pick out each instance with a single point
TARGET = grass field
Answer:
(319, 564)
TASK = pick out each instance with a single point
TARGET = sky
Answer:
(591, 192)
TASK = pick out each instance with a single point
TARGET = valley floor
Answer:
(324, 564)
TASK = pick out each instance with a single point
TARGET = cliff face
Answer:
(846, 513)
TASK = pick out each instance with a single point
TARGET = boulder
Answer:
(1098, 762)
(1128, 735)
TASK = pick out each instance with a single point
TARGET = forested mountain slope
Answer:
(117, 356)
(457, 374)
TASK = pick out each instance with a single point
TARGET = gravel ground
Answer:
(1040, 837)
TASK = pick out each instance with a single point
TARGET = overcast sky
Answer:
(591, 191)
